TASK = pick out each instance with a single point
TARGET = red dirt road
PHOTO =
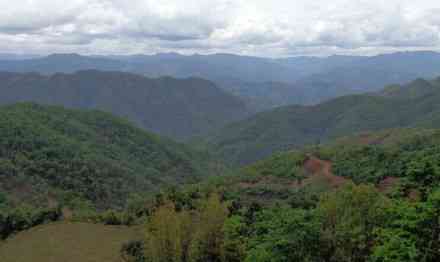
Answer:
(322, 170)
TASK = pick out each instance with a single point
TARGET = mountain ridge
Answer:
(178, 108)
(307, 80)
(294, 126)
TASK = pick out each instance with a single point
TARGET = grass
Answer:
(68, 242)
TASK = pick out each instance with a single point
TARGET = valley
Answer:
(219, 131)
(115, 166)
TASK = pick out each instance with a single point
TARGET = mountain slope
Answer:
(287, 127)
(385, 159)
(262, 96)
(179, 108)
(48, 154)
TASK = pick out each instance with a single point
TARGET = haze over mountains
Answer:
(263, 83)
(178, 108)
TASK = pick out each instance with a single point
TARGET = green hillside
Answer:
(369, 197)
(414, 105)
(298, 176)
(51, 154)
(177, 108)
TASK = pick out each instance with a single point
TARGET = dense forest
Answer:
(369, 197)
(411, 105)
(354, 179)
(219, 131)
(50, 153)
(377, 201)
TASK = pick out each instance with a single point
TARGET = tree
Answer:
(412, 232)
(235, 238)
(349, 219)
(186, 235)
(421, 171)
(284, 234)
(167, 235)
(208, 238)
(432, 222)
(395, 245)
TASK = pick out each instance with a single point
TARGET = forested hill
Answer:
(178, 108)
(412, 105)
(373, 197)
(50, 154)
(390, 160)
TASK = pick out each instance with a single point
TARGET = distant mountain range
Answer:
(413, 105)
(178, 108)
(6, 56)
(264, 83)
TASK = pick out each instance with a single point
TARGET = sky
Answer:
(268, 28)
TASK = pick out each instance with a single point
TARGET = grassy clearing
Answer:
(67, 242)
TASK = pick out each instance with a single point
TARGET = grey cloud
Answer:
(255, 27)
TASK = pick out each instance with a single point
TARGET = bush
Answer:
(133, 251)
(23, 218)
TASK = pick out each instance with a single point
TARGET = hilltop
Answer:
(413, 105)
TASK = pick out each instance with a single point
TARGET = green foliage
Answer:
(166, 235)
(235, 239)
(412, 232)
(295, 126)
(207, 241)
(54, 151)
(284, 235)
(409, 154)
(367, 164)
(288, 165)
(350, 217)
(25, 217)
(395, 246)
(133, 251)
(270, 211)
(4, 203)
(186, 235)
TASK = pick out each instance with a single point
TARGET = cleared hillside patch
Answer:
(68, 242)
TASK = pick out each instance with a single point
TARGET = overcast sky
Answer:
(253, 27)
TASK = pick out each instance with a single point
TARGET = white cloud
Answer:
(257, 27)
